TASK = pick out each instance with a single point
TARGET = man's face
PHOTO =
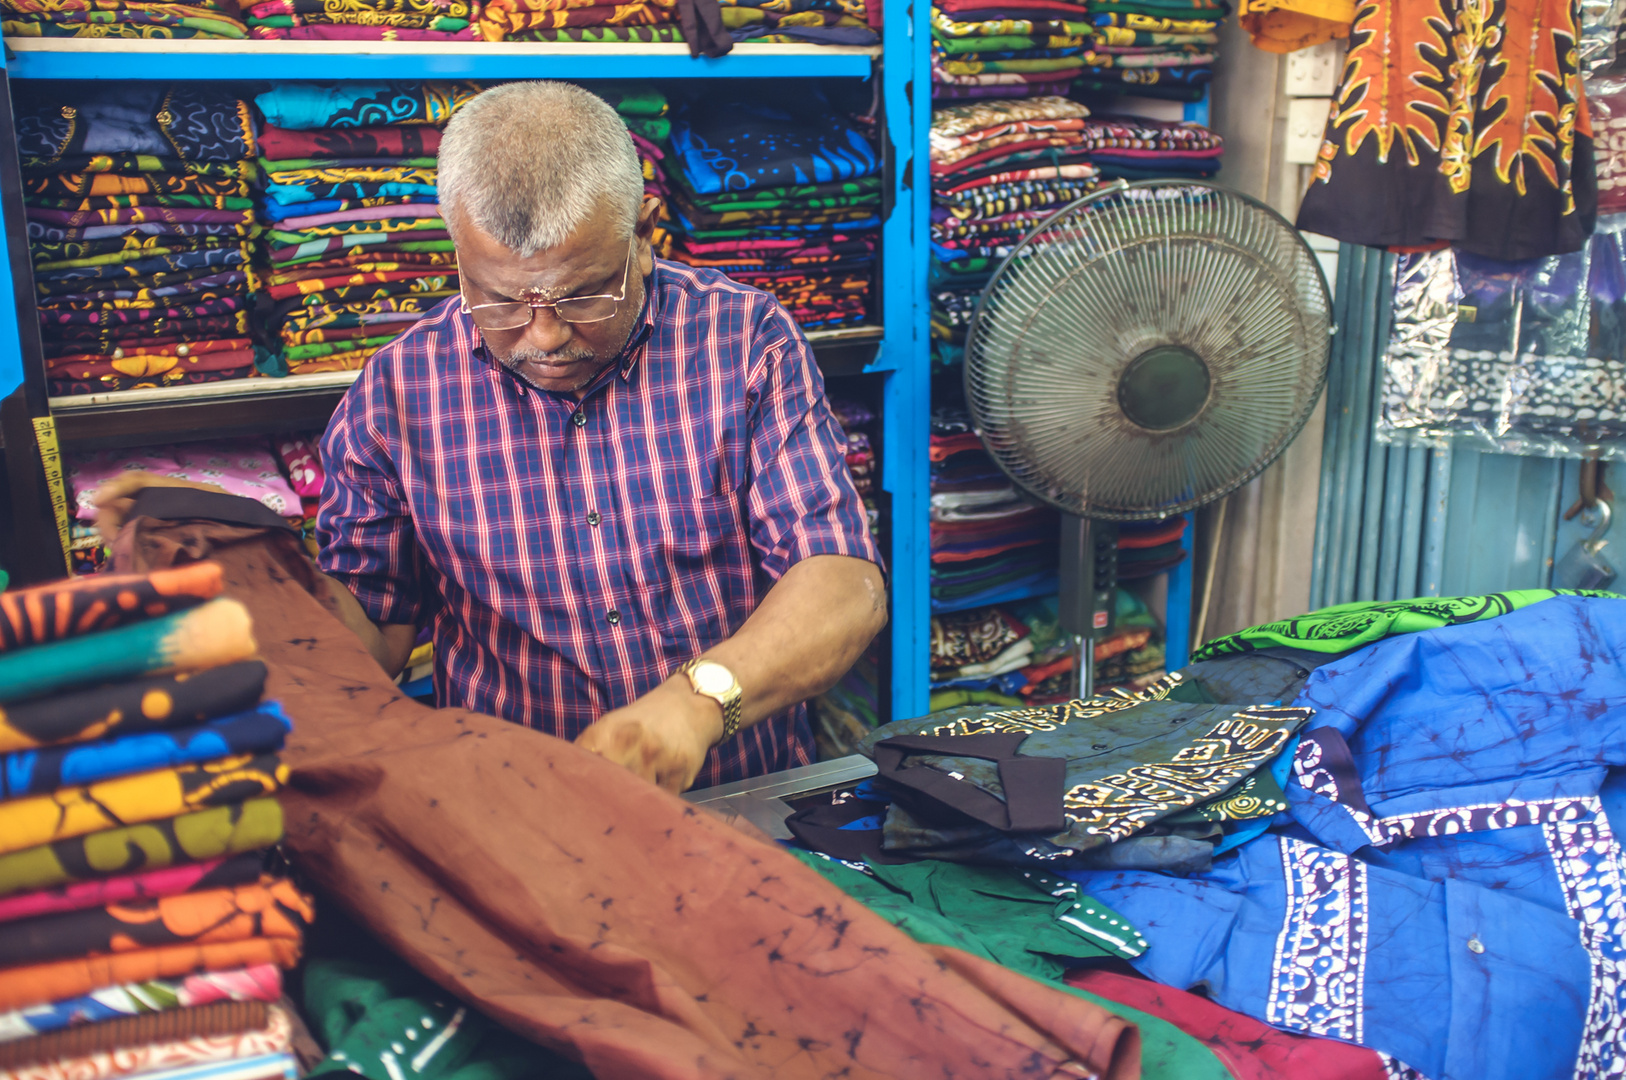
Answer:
(550, 353)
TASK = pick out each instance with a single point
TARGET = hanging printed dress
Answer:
(1460, 121)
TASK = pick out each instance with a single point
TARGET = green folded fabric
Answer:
(985, 914)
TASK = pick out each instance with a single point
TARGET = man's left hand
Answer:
(663, 736)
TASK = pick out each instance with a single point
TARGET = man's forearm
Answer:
(390, 644)
(810, 628)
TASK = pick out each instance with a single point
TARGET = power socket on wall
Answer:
(1306, 125)
(1313, 72)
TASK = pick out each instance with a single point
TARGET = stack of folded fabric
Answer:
(857, 422)
(121, 19)
(364, 20)
(800, 22)
(988, 543)
(785, 198)
(358, 249)
(302, 467)
(1150, 547)
(140, 933)
(645, 111)
(1006, 48)
(850, 709)
(999, 167)
(141, 222)
(1152, 48)
(1134, 148)
(580, 20)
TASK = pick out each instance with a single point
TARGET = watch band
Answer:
(731, 700)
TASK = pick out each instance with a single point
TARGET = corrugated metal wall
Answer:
(1395, 522)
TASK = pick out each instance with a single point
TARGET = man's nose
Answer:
(547, 332)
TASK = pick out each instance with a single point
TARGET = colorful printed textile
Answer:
(198, 122)
(240, 467)
(308, 106)
(259, 982)
(214, 874)
(214, 633)
(172, 1025)
(373, 141)
(1346, 627)
(65, 609)
(729, 145)
(39, 983)
(271, 908)
(132, 706)
(30, 772)
(151, 796)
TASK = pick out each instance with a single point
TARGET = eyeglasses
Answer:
(517, 314)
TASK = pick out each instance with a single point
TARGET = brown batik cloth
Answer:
(590, 911)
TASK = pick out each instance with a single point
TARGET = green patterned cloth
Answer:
(1019, 924)
(1349, 626)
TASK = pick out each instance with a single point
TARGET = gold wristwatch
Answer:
(713, 680)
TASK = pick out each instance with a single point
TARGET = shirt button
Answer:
(613, 617)
(1475, 945)
(578, 418)
(593, 519)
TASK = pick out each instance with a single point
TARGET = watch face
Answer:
(713, 678)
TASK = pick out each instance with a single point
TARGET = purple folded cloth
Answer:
(58, 235)
(945, 91)
(138, 214)
(362, 213)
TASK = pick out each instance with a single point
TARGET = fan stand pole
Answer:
(1088, 596)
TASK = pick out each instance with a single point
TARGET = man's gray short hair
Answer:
(528, 162)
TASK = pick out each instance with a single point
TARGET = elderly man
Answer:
(612, 482)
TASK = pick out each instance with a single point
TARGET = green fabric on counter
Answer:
(383, 1021)
(985, 913)
(1349, 626)
(953, 699)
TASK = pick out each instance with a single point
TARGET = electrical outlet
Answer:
(1306, 124)
(1313, 72)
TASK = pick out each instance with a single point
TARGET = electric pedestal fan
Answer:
(1146, 350)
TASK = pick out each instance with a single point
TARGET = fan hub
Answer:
(1164, 388)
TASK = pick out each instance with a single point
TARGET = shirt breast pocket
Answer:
(695, 568)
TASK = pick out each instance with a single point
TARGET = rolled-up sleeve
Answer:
(364, 525)
(802, 501)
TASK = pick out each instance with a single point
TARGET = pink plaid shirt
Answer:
(572, 555)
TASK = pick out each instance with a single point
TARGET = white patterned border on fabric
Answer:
(1592, 873)
(1318, 972)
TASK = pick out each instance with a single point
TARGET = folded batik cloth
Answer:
(360, 33)
(149, 885)
(197, 123)
(500, 18)
(256, 983)
(604, 35)
(118, 19)
(188, 838)
(309, 106)
(734, 145)
(973, 637)
(37, 984)
(946, 26)
(267, 908)
(71, 608)
(36, 772)
(217, 1044)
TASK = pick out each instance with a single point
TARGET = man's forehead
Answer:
(549, 274)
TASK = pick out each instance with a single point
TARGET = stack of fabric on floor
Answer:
(1006, 48)
(140, 933)
(363, 20)
(580, 20)
(988, 542)
(121, 19)
(358, 249)
(1134, 148)
(1152, 48)
(999, 167)
(802, 22)
(141, 224)
(782, 197)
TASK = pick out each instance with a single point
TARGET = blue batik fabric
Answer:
(1450, 889)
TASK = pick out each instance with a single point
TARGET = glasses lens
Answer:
(586, 308)
(501, 316)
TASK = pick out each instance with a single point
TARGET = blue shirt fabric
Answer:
(1449, 889)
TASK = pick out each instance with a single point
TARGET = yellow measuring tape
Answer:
(51, 458)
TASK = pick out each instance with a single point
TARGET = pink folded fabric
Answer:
(360, 33)
(362, 213)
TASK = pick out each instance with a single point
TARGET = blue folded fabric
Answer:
(732, 143)
(277, 211)
(36, 772)
(307, 194)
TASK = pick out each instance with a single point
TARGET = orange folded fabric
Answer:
(37, 984)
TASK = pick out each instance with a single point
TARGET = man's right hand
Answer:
(115, 498)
